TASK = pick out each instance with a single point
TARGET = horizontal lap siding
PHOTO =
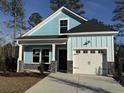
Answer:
(52, 27)
(28, 53)
(95, 42)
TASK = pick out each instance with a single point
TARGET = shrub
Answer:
(41, 68)
(3, 67)
(119, 69)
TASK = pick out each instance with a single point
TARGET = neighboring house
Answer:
(68, 40)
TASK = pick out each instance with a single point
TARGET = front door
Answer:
(62, 60)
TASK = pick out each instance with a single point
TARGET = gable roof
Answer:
(65, 10)
(90, 27)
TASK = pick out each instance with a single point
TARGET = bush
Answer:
(3, 64)
(119, 69)
(41, 68)
(11, 64)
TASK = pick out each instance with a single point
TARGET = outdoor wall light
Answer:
(87, 42)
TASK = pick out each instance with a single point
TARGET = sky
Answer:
(99, 9)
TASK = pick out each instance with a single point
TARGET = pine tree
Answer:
(34, 19)
(14, 8)
(74, 5)
(119, 13)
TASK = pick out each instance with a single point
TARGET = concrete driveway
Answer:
(68, 83)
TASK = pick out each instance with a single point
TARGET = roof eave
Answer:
(92, 33)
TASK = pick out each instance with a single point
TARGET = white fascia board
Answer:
(93, 48)
(49, 19)
(92, 33)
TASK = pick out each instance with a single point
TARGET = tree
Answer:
(14, 8)
(3, 5)
(2, 39)
(119, 13)
(34, 19)
(74, 5)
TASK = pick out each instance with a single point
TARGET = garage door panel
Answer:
(87, 63)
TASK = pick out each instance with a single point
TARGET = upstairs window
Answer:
(63, 25)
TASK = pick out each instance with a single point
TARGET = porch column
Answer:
(19, 58)
(53, 52)
(53, 64)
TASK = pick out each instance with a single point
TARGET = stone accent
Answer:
(69, 66)
(31, 66)
(53, 67)
(21, 66)
(111, 68)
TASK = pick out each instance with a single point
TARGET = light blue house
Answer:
(69, 41)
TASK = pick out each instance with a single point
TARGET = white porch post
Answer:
(53, 52)
(54, 66)
(20, 57)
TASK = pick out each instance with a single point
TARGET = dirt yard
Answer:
(18, 83)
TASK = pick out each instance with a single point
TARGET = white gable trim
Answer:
(75, 14)
(49, 19)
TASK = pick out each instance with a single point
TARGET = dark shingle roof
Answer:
(42, 37)
(90, 27)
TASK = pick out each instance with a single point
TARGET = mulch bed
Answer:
(18, 82)
(22, 74)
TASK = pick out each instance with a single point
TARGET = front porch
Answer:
(51, 53)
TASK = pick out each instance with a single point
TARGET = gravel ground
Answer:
(18, 84)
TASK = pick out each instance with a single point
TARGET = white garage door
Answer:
(88, 62)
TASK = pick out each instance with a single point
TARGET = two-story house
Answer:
(66, 38)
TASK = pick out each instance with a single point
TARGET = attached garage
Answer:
(89, 61)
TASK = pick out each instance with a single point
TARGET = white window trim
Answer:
(67, 24)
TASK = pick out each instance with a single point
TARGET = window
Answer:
(92, 51)
(45, 55)
(100, 51)
(77, 51)
(63, 26)
(36, 55)
(85, 51)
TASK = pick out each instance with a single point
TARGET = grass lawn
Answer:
(18, 83)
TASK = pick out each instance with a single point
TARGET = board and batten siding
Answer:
(96, 42)
(52, 27)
